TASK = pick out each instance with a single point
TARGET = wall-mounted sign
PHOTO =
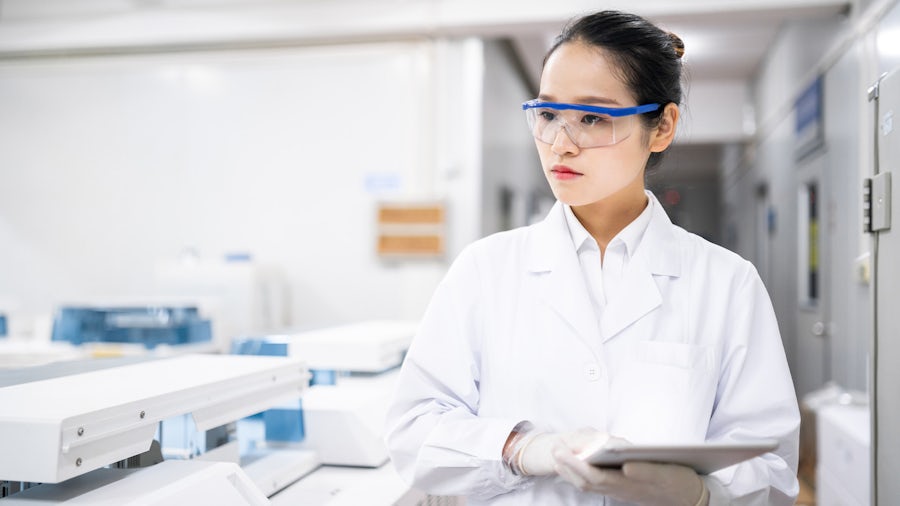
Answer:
(809, 127)
(411, 230)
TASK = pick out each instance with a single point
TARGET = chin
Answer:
(571, 199)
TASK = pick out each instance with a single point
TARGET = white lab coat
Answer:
(690, 351)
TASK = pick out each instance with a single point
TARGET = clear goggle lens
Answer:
(587, 126)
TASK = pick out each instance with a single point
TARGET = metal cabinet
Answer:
(880, 215)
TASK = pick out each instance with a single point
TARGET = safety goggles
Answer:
(588, 126)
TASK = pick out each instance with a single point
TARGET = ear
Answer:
(661, 136)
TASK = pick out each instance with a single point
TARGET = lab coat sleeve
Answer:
(435, 438)
(755, 399)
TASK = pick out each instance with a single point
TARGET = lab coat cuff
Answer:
(506, 480)
(504, 475)
(718, 494)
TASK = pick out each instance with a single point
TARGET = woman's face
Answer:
(577, 73)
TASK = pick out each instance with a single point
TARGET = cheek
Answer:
(616, 162)
(631, 156)
(544, 153)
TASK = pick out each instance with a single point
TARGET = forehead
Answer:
(580, 73)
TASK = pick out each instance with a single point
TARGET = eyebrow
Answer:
(584, 100)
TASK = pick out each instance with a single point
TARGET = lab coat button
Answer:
(592, 371)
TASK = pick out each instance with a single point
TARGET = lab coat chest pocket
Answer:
(664, 392)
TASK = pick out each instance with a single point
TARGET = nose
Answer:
(563, 143)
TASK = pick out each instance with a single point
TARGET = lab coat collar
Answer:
(630, 236)
(659, 245)
(552, 256)
(551, 242)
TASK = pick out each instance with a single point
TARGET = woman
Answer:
(603, 321)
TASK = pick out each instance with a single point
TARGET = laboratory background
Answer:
(220, 221)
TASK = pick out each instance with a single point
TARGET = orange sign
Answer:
(411, 230)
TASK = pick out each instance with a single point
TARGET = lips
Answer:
(563, 172)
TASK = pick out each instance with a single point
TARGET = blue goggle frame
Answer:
(616, 112)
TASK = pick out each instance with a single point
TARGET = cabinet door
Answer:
(886, 353)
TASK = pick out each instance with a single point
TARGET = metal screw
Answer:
(78, 462)
(143, 415)
(80, 431)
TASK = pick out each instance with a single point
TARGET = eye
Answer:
(594, 119)
(546, 115)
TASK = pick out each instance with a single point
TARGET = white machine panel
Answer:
(274, 469)
(371, 346)
(169, 482)
(349, 486)
(843, 467)
(344, 423)
(54, 429)
(17, 353)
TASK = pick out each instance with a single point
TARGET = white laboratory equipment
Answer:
(344, 422)
(166, 483)
(118, 327)
(241, 294)
(72, 429)
(112, 327)
(354, 371)
(67, 430)
(343, 412)
(843, 470)
(25, 340)
(17, 352)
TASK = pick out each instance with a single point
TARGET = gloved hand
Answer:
(535, 457)
(535, 452)
(643, 483)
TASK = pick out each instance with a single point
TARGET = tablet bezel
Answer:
(704, 458)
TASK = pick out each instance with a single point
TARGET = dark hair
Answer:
(648, 57)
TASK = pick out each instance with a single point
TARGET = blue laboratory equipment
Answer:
(354, 368)
(150, 326)
(282, 423)
(3, 330)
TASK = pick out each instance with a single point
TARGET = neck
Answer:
(606, 218)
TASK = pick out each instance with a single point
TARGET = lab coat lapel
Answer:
(658, 254)
(559, 283)
(639, 296)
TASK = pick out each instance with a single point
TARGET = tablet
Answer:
(704, 458)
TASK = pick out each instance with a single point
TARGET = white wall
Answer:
(110, 165)
(715, 111)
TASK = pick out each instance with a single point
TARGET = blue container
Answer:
(149, 326)
(258, 346)
(284, 423)
(3, 330)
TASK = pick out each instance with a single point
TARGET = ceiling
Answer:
(720, 44)
(725, 40)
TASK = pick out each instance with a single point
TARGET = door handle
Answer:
(818, 329)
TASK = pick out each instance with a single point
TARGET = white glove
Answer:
(534, 453)
(535, 457)
(643, 483)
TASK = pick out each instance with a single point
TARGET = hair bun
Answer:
(677, 44)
